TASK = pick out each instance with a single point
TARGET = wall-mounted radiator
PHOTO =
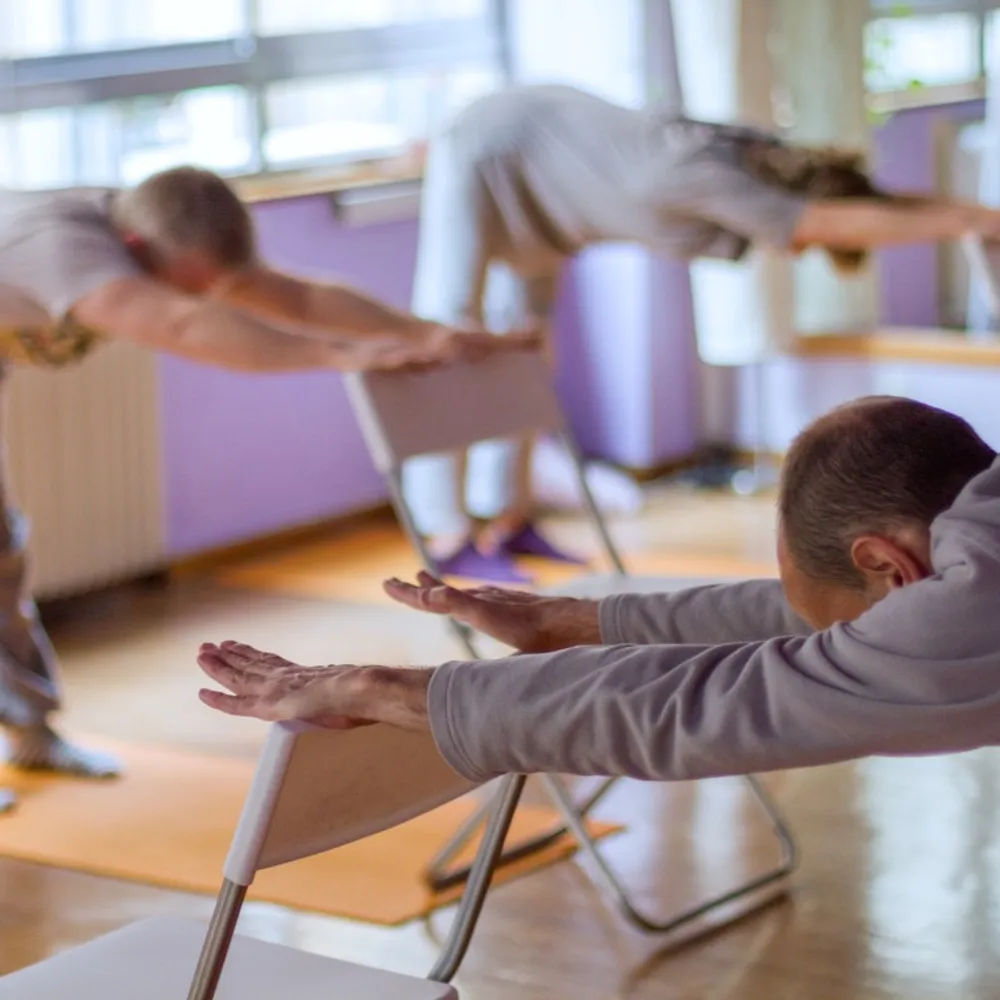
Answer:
(84, 463)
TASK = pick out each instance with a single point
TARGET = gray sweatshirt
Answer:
(726, 680)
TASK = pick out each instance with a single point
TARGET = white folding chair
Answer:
(448, 409)
(984, 274)
(314, 790)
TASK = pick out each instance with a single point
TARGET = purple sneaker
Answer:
(529, 542)
(471, 564)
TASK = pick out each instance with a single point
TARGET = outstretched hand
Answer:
(437, 347)
(528, 622)
(269, 687)
(453, 345)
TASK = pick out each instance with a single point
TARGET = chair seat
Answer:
(154, 960)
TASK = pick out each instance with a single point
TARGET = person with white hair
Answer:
(171, 265)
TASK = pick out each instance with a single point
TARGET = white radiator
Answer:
(84, 464)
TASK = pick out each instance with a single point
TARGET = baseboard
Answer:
(736, 456)
(747, 456)
(213, 559)
(648, 474)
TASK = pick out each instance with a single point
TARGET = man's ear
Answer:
(139, 249)
(887, 564)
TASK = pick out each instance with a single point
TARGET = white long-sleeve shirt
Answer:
(726, 680)
(540, 172)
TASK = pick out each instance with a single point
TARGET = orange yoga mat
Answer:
(351, 568)
(169, 822)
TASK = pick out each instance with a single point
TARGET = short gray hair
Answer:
(875, 465)
(187, 208)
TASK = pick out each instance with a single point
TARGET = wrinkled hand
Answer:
(393, 355)
(454, 345)
(435, 347)
(527, 622)
(984, 221)
(269, 687)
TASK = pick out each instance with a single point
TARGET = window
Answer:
(991, 46)
(926, 43)
(362, 116)
(109, 91)
(54, 27)
(279, 17)
(933, 50)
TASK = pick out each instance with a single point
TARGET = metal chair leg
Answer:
(575, 820)
(576, 814)
(503, 805)
(217, 941)
(440, 877)
(600, 525)
(438, 873)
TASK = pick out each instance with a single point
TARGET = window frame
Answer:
(975, 87)
(253, 62)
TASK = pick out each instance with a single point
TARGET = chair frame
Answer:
(574, 813)
(981, 272)
(229, 902)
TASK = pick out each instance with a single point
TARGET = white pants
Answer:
(455, 283)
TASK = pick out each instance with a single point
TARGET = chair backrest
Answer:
(450, 408)
(316, 789)
(984, 267)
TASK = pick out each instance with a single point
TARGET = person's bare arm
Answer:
(350, 316)
(853, 224)
(156, 316)
(326, 308)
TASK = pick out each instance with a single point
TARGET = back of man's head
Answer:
(185, 210)
(874, 466)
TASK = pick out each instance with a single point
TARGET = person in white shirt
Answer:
(524, 179)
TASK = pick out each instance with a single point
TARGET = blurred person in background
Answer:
(171, 265)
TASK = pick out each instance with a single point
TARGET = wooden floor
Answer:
(898, 896)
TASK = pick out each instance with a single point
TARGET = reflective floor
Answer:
(898, 895)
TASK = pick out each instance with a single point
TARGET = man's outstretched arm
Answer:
(320, 306)
(651, 712)
(156, 316)
(349, 314)
(917, 674)
(532, 623)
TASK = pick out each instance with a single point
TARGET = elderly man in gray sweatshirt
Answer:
(881, 637)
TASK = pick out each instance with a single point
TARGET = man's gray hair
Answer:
(875, 465)
(187, 208)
